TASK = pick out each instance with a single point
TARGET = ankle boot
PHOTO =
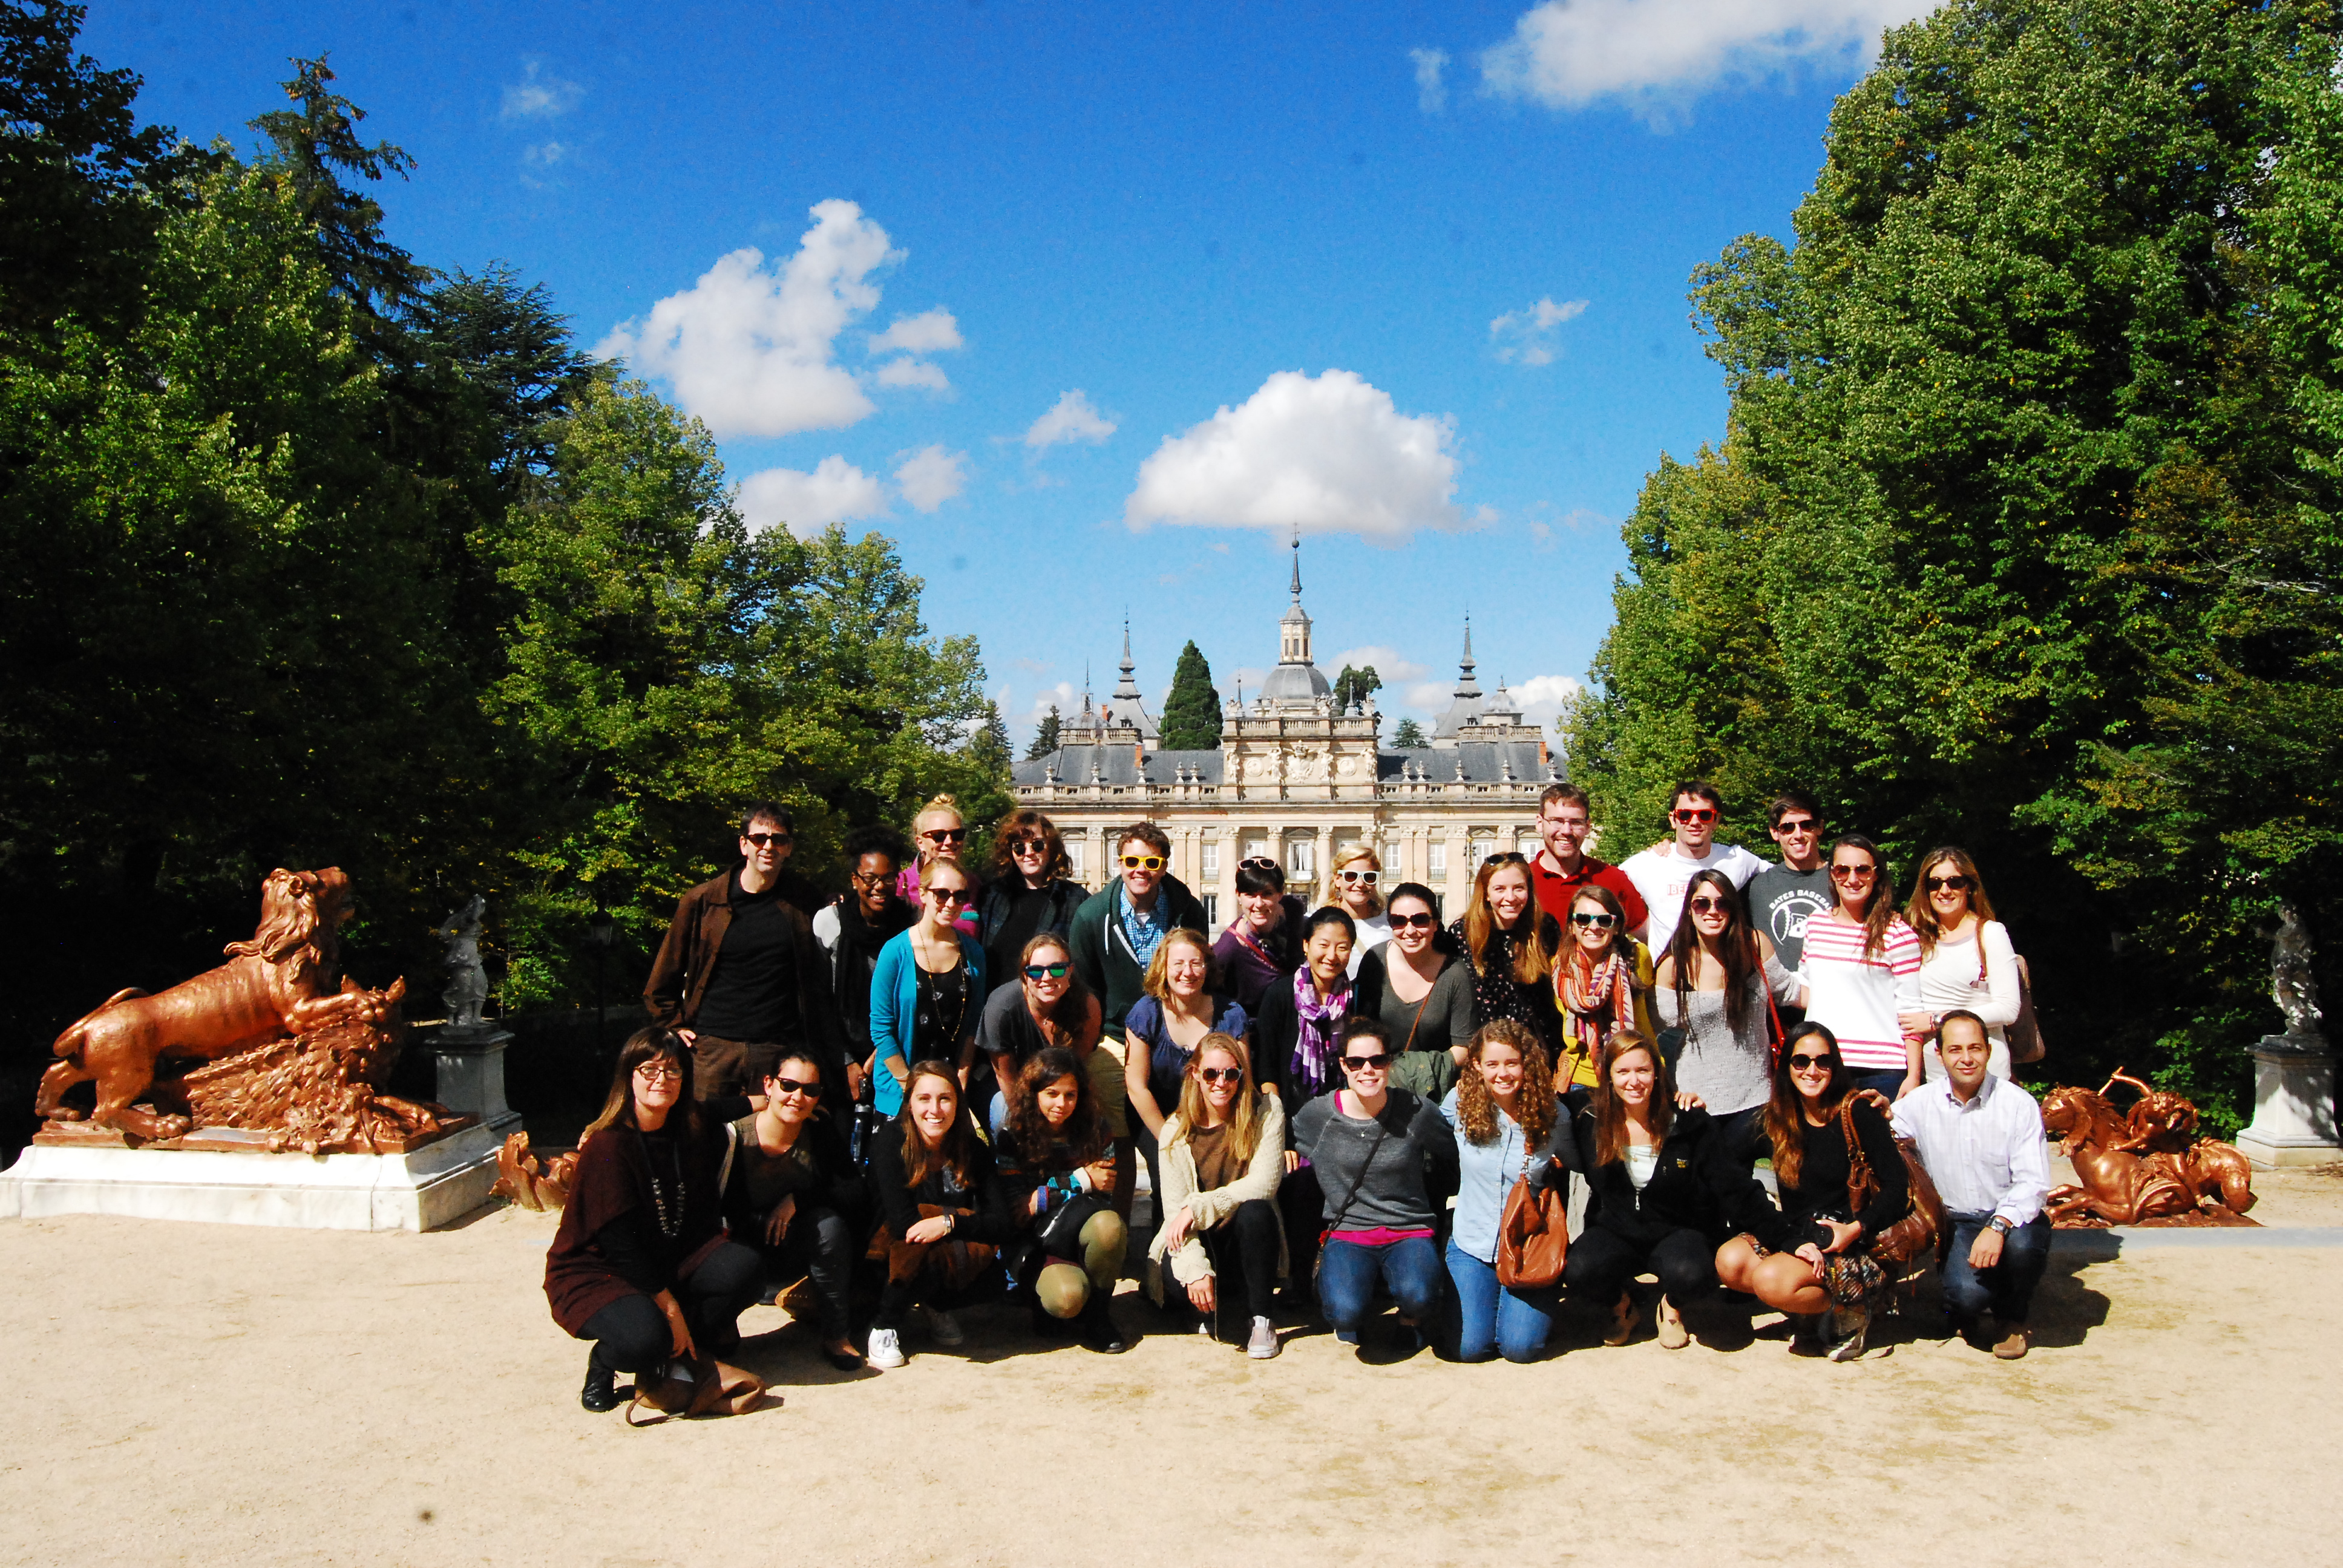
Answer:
(602, 1390)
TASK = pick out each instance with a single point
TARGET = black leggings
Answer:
(1243, 1250)
(819, 1245)
(1302, 1204)
(1602, 1261)
(632, 1334)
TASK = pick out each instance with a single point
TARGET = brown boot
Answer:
(2013, 1343)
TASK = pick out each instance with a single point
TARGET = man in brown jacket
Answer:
(740, 977)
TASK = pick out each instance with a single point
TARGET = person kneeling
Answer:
(944, 1214)
(793, 1192)
(1386, 1163)
(640, 1264)
(1812, 1257)
(1223, 1155)
(1664, 1190)
(1057, 1169)
(1980, 1140)
(1509, 1127)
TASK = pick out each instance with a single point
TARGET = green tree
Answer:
(1409, 736)
(1045, 736)
(990, 747)
(1191, 713)
(1355, 686)
(316, 145)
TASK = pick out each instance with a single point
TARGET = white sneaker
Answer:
(944, 1327)
(886, 1348)
(1264, 1344)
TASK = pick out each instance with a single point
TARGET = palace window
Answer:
(1439, 863)
(1208, 856)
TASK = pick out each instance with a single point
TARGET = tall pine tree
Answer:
(1191, 714)
(1045, 736)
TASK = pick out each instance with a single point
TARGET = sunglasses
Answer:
(1691, 814)
(1142, 862)
(945, 834)
(1368, 1063)
(1600, 922)
(791, 1086)
(1705, 905)
(764, 840)
(1854, 873)
(1221, 1074)
(1797, 825)
(949, 895)
(1413, 922)
(1366, 877)
(1802, 1064)
(1256, 863)
(1055, 971)
(659, 1071)
(1949, 884)
(1508, 858)
(1028, 847)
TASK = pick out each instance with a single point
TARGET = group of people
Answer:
(939, 1089)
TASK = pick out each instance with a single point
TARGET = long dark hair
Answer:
(1740, 944)
(1786, 1111)
(1921, 915)
(957, 1153)
(645, 1045)
(1031, 1131)
(1611, 1112)
(1882, 908)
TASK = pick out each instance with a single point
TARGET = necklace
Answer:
(933, 986)
(670, 1219)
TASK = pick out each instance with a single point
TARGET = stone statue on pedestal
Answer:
(2292, 985)
(468, 981)
(2294, 1073)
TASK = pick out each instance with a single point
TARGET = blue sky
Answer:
(1088, 306)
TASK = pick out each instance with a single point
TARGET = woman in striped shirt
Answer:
(1862, 973)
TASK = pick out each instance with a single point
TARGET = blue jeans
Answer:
(1886, 1080)
(1513, 1323)
(1347, 1272)
(2006, 1287)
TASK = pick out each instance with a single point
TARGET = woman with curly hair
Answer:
(1029, 891)
(1512, 945)
(1058, 1171)
(1508, 1127)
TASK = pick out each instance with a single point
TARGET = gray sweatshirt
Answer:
(1414, 1167)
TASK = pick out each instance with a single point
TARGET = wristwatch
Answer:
(2001, 1225)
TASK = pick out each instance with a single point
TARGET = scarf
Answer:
(1315, 1045)
(1584, 999)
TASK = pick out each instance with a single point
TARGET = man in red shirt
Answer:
(1563, 867)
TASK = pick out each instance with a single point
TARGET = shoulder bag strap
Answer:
(1858, 1169)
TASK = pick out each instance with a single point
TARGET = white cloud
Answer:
(1389, 663)
(931, 476)
(1430, 696)
(1653, 55)
(540, 97)
(1544, 697)
(1525, 335)
(1062, 696)
(1325, 455)
(930, 331)
(1069, 418)
(750, 350)
(914, 373)
(1431, 92)
(835, 492)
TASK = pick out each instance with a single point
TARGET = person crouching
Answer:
(1057, 1172)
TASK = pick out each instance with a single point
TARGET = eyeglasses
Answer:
(945, 834)
(1142, 862)
(1854, 873)
(1413, 922)
(1687, 815)
(1600, 922)
(791, 1086)
(1797, 825)
(1368, 1063)
(1949, 884)
(659, 1070)
(1366, 877)
(1221, 1074)
(1808, 1063)
(871, 878)
(1055, 971)
(1256, 863)
(761, 841)
(1705, 905)
(949, 895)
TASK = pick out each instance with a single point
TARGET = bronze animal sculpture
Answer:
(2145, 1164)
(523, 1179)
(278, 987)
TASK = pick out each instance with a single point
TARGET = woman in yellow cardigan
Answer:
(1222, 1156)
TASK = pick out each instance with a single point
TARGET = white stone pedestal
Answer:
(418, 1191)
(2294, 1105)
(472, 1074)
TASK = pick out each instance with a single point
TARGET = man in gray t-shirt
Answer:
(1784, 898)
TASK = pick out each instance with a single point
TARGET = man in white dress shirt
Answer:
(1980, 1138)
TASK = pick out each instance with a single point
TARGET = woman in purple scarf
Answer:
(1296, 1043)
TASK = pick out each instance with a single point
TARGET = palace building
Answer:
(1295, 779)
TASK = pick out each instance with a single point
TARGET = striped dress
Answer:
(1856, 995)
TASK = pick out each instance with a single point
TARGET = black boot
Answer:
(1097, 1330)
(602, 1390)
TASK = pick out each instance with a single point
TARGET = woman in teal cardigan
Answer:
(927, 990)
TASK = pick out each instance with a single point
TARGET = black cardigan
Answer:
(1822, 1183)
(985, 1208)
(1700, 1184)
(1276, 1030)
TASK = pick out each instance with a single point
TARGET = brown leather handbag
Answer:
(1921, 1228)
(1533, 1235)
(695, 1385)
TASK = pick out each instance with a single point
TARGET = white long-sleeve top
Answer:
(1978, 972)
(1856, 994)
(1987, 1155)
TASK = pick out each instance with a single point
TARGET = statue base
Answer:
(230, 1179)
(470, 1058)
(2294, 1105)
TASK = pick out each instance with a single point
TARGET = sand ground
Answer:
(213, 1394)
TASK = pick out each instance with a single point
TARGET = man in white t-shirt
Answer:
(1662, 872)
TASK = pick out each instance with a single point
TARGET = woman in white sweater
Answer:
(1965, 958)
(1222, 1156)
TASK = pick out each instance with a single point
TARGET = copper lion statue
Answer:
(308, 1052)
(2143, 1165)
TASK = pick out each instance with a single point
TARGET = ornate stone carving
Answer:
(2292, 984)
(468, 981)
(2144, 1167)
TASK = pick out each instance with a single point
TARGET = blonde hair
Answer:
(1362, 850)
(1245, 1112)
(1158, 983)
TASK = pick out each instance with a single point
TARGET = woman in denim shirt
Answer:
(1507, 1124)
